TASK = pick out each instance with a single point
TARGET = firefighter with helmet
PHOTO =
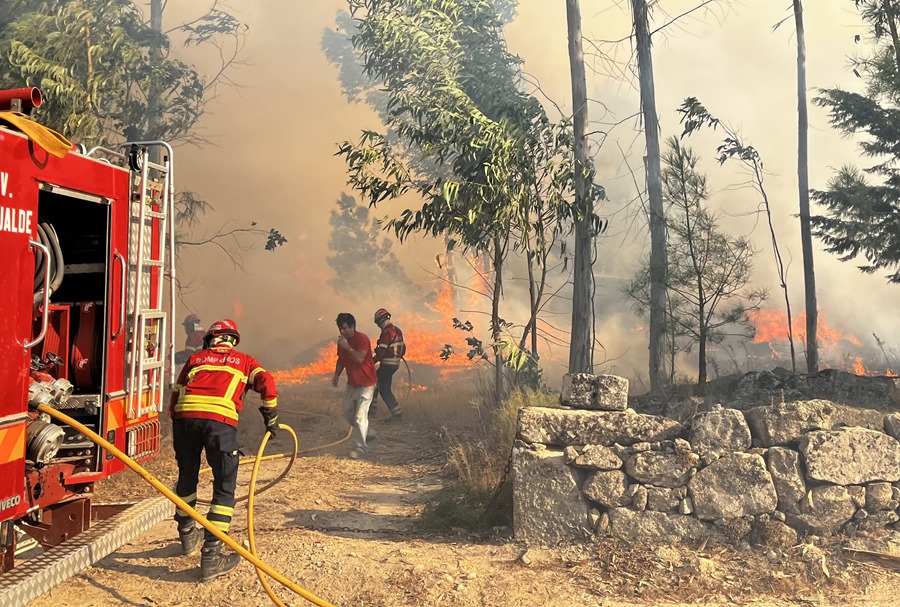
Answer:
(389, 353)
(193, 341)
(206, 402)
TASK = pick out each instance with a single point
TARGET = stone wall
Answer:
(763, 475)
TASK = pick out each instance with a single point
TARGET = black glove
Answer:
(271, 419)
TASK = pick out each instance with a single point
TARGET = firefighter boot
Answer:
(190, 539)
(213, 563)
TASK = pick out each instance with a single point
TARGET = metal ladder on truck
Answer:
(151, 245)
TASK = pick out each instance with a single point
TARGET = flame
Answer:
(771, 325)
(425, 338)
(237, 309)
(858, 367)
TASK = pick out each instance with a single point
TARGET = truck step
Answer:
(24, 583)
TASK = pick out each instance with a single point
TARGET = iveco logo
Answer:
(10, 502)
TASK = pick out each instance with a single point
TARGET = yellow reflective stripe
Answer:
(381, 346)
(233, 386)
(236, 372)
(254, 373)
(207, 404)
(220, 509)
(391, 361)
(189, 498)
(270, 404)
(222, 525)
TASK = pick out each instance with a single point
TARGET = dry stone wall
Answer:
(764, 475)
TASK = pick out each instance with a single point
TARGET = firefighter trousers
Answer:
(385, 375)
(190, 438)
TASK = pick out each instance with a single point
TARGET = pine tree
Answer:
(863, 205)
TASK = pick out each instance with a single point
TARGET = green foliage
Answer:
(452, 98)
(361, 257)
(862, 218)
(92, 60)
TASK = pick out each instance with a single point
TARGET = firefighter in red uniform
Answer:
(389, 352)
(206, 402)
(193, 340)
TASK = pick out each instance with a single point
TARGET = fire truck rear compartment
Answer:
(73, 348)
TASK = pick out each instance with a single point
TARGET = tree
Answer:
(107, 77)
(656, 217)
(709, 271)
(581, 342)
(453, 99)
(695, 116)
(863, 206)
(809, 270)
(360, 255)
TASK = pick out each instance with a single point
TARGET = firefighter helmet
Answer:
(381, 315)
(191, 320)
(220, 328)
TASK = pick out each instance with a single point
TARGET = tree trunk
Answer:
(581, 341)
(657, 217)
(154, 95)
(452, 277)
(809, 270)
(701, 347)
(495, 320)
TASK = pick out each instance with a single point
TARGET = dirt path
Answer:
(345, 530)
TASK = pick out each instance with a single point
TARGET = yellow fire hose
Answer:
(170, 495)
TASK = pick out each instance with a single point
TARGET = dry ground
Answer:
(346, 530)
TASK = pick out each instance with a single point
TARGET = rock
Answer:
(686, 506)
(773, 534)
(649, 526)
(606, 487)
(877, 520)
(736, 485)
(892, 424)
(639, 500)
(573, 427)
(734, 529)
(641, 447)
(548, 507)
(722, 430)
(787, 476)
(859, 417)
(663, 499)
(659, 469)
(598, 457)
(858, 495)
(570, 454)
(681, 446)
(786, 423)
(598, 392)
(603, 524)
(825, 509)
(851, 456)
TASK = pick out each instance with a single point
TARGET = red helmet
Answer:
(381, 315)
(223, 327)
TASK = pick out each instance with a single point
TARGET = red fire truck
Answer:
(86, 265)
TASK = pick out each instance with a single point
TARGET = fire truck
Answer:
(86, 264)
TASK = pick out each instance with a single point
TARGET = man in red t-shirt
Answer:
(354, 352)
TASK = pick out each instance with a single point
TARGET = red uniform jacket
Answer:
(390, 349)
(212, 385)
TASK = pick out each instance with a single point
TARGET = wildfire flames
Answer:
(424, 336)
(771, 329)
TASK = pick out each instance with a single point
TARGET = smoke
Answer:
(275, 137)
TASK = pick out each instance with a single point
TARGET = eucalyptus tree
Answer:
(863, 205)
(453, 99)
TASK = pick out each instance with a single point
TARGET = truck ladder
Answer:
(151, 249)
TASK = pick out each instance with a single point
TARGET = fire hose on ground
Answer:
(249, 555)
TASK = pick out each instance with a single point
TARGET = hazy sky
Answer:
(276, 137)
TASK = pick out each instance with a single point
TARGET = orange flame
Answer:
(425, 338)
(771, 325)
(858, 367)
